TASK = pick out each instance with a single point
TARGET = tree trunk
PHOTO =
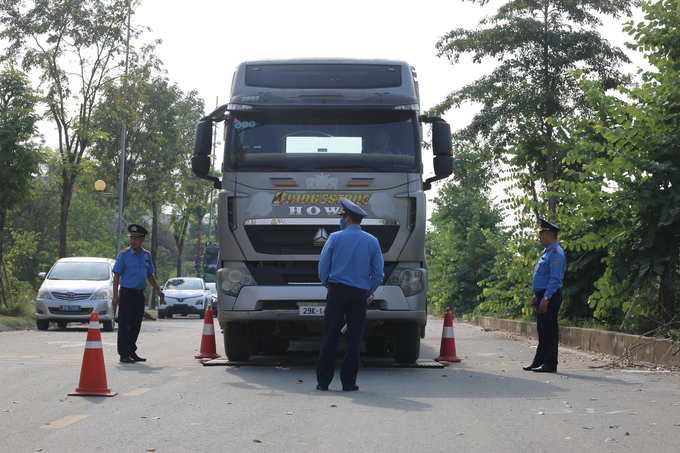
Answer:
(199, 264)
(667, 293)
(5, 280)
(68, 182)
(179, 241)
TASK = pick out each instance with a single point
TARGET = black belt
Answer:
(140, 291)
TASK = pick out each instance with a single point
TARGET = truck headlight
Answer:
(411, 281)
(230, 280)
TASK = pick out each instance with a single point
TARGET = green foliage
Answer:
(631, 177)
(460, 247)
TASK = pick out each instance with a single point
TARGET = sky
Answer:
(203, 41)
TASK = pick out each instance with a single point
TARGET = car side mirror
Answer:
(42, 275)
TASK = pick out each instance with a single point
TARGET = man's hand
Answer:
(115, 301)
(369, 299)
(161, 294)
(533, 302)
(543, 307)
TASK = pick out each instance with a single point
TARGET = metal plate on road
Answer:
(387, 362)
(312, 311)
(69, 307)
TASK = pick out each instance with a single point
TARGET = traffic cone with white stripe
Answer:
(447, 352)
(208, 348)
(93, 371)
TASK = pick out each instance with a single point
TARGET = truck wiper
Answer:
(354, 166)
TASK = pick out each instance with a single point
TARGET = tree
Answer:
(460, 253)
(630, 183)
(538, 43)
(48, 36)
(20, 158)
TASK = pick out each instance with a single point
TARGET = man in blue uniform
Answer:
(132, 269)
(547, 288)
(351, 268)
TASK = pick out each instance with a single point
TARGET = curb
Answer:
(659, 350)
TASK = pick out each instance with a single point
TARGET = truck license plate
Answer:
(69, 307)
(311, 311)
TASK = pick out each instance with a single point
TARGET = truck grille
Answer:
(299, 239)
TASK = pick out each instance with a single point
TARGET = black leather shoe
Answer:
(545, 369)
(349, 388)
(321, 387)
(137, 358)
(530, 367)
(127, 359)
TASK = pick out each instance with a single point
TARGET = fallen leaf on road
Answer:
(610, 440)
(155, 418)
(459, 434)
(444, 375)
(333, 405)
(300, 380)
(541, 413)
(257, 440)
(565, 377)
(626, 433)
(150, 449)
(289, 413)
(587, 427)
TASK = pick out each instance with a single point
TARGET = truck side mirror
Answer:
(200, 160)
(442, 149)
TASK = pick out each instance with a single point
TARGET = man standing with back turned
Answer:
(351, 268)
(547, 287)
(132, 269)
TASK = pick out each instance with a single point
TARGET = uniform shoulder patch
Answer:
(554, 249)
(126, 250)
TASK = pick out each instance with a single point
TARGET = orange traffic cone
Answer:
(93, 371)
(208, 350)
(447, 352)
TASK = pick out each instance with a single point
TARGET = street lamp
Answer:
(100, 187)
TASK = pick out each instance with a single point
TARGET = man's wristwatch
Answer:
(545, 298)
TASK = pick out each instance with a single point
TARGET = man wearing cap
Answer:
(547, 288)
(351, 268)
(132, 269)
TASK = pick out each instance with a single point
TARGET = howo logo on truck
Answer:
(286, 198)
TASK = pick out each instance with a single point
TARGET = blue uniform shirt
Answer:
(549, 270)
(133, 269)
(352, 257)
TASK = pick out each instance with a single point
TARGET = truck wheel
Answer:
(376, 346)
(237, 341)
(42, 325)
(406, 342)
(272, 345)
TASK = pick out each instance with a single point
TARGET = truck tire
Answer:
(376, 346)
(237, 341)
(406, 342)
(272, 345)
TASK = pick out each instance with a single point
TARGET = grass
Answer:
(19, 312)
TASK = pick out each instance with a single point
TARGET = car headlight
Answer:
(102, 294)
(44, 294)
(230, 280)
(411, 281)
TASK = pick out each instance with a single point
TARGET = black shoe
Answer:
(137, 358)
(349, 388)
(321, 387)
(530, 367)
(545, 369)
(127, 359)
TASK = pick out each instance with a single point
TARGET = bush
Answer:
(22, 305)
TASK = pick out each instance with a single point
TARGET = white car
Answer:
(184, 296)
(74, 289)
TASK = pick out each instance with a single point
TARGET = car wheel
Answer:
(237, 341)
(108, 325)
(62, 324)
(406, 342)
(168, 315)
(42, 325)
(161, 315)
(202, 313)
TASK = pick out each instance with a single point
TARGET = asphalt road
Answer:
(172, 403)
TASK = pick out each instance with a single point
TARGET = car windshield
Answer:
(182, 284)
(357, 141)
(211, 287)
(76, 270)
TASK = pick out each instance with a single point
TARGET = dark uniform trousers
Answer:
(548, 330)
(342, 301)
(130, 315)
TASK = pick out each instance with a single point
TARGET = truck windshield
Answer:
(344, 140)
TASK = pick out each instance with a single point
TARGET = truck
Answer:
(209, 261)
(301, 134)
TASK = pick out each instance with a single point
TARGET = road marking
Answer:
(64, 421)
(182, 373)
(137, 392)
